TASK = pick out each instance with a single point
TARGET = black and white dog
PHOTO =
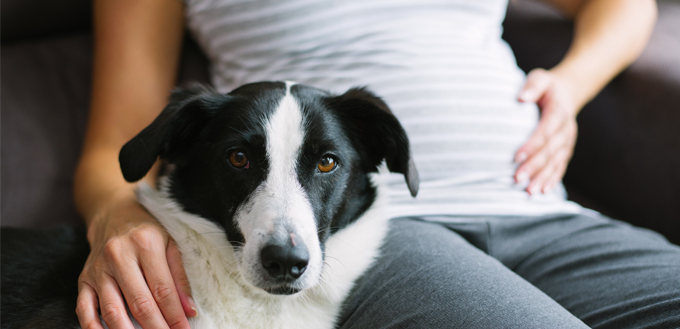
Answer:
(270, 196)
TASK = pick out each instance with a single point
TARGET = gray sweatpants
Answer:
(548, 272)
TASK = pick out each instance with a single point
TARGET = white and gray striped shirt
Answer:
(440, 65)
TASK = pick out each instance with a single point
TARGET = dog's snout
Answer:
(285, 262)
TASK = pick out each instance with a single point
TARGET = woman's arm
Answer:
(609, 35)
(136, 54)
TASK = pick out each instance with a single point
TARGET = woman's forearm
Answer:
(608, 36)
(135, 62)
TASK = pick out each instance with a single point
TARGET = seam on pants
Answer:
(555, 241)
(488, 239)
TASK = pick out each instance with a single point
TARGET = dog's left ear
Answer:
(173, 132)
(376, 132)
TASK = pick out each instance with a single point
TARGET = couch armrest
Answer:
(627, 159)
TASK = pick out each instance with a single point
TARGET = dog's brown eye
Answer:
(327, 164)
(239, 159)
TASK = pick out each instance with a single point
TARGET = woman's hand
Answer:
(131, 253)
(608, 36)
(543, 159)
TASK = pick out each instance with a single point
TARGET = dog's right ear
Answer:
(377, 133)
(172, 132)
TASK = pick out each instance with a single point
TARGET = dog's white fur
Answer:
(225, 300)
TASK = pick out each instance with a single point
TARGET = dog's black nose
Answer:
(284, 262)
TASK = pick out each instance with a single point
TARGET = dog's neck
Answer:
(225, 300)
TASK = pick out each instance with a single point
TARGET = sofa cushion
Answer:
(45, 99)
(45, 94)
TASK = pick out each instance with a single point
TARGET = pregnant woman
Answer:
(490, 241)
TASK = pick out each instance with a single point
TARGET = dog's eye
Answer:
(327, 163)
(238, 159)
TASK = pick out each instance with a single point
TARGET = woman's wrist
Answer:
(578, 88)
(120, 212)
(99, 186)
(608, 36)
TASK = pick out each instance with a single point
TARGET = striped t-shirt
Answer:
(441, 66)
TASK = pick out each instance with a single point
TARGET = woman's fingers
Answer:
(139, 299)
(559, 150)
(111, 304)
(552, 118)
(540, 182)
(541, 135)
(555, 178)
(121, 259)
(538, 81)
(162, 284)
(550, 159)
(86, 307)
(123, 256)
(529, 155)
(179, 276)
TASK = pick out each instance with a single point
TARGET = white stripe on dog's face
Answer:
(280, 207)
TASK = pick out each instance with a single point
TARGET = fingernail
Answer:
(192, 304)
(520, 157)
(522, 177)
(526, 95)
(533, 190)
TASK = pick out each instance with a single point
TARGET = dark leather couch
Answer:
(626, 163)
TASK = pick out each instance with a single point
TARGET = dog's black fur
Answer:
(40, 270)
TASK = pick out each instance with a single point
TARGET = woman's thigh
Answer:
(430, 277)
(607, 273)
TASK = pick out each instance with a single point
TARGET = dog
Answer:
(270, 192)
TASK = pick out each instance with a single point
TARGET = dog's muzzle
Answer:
(285, 261)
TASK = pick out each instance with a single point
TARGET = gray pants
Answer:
(548, 272)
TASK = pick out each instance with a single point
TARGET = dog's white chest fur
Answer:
(225, 300)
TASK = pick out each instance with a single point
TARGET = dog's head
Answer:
(279, 166)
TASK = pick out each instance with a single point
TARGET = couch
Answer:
(626, 162)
